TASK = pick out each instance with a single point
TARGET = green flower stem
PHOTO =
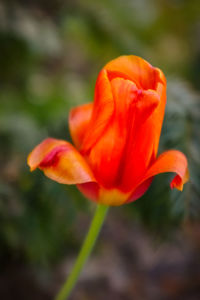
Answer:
(86, 249)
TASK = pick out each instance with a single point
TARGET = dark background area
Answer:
(50, 55)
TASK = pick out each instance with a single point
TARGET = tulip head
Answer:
(116, 137)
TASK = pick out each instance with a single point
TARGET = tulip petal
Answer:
(79, 119)
(136, 69)
(146, 77)
(140, 190)
(132, 107)
(138, 148)
(40, 151)
(102, 111)
(113, 197)
(106, 153)
(90, 190)
(60, 161)
(170, 161)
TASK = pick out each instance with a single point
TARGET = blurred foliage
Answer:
(50, 55)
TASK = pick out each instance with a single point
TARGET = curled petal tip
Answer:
(40, 151)
(179, 182)
(61, 162)
(171, 161)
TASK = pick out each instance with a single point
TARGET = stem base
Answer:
(85, 252)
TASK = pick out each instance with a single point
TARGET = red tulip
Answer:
(116, 138)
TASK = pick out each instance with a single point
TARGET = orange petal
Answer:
(146, 77)
(137, 151)
(79, 119)
(90, 190)
(60, 161)
(112, 197)
(170, 161)
(136, 69)
(106, 154)
(40, 151)
(140, 190)
(102, 111)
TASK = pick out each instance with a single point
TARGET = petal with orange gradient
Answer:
(170, 161)
(107, 154)
(146, 143)
(136, 69)
(93, 191)
(132, 108)
(156, 119)
(79, 119)
(90, 190)
(140, 190)
(60, 161)
(138, 149)
(102, 111)
(146, 77)
(40, 151)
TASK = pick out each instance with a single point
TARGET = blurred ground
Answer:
(50, 55)
(126, 264)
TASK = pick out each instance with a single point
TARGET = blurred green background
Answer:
(50, 55)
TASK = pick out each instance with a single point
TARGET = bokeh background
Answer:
(50, 55)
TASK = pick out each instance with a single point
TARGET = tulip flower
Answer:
(114, 157)
(115, 154)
